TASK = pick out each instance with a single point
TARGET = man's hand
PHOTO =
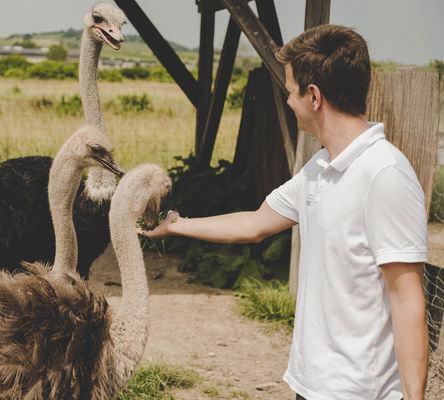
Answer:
(163, 229)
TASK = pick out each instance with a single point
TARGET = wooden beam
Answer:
(317, 12)
(223, 76)
(258, 36)
(268, 16)
(209, 5)
(161, 49)
(205, 80)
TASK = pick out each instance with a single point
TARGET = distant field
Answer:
(30, 125)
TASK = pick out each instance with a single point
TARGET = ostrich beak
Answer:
(110, 165)
(112, 35)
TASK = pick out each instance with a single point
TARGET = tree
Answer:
(439, 67)
(57, 53)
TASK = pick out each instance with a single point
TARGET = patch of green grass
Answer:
(267, 301)
(210, 390)
(153, 382)
(239, 394)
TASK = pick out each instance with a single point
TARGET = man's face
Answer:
(298, 103)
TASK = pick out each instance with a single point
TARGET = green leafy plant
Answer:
(13, 61)
(267, 301)
(135, 103)
(200, 190)
(153, 382)
(236, 98)
(136, 72)
(70, 106)
(57, 52)
(110, 75)
(53, 70)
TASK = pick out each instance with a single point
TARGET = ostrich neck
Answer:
(88, 70)
(129, 330)
(64, 179)
(101, 183)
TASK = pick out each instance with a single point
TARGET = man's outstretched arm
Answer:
(239, 227)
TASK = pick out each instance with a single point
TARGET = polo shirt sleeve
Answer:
(284, 200)
(395, 218)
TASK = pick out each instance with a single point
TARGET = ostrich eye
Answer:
(95, 149)
(97, 18)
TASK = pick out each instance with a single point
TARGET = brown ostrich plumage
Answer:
(45, 323)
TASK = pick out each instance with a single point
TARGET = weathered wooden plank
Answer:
(258, 37)
(225, 68)
(210, 5)
(161, 49)
(317, 12)
(205, 71)
(268, 17)
(407, 102)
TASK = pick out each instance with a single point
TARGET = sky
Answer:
(403, 31)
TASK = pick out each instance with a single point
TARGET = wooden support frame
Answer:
(268, 16)
(258, 37)
(205, 77)
(161, 49)
(210, 5)
(317, 12)
(222, 81)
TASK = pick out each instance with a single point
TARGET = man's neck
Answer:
(339, 130)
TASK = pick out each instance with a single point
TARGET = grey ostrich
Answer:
(26, 231)
(58, 340)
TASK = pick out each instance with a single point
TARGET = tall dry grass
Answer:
(29, 124)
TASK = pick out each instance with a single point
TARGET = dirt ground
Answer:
(199, 327)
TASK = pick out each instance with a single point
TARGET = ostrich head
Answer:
(90, 147)
(104, 22)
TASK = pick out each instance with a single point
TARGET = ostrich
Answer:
(26, 231)
(58, 340)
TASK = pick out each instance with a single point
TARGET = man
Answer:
(360, 330)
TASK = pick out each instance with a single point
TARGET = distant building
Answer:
(32, 55)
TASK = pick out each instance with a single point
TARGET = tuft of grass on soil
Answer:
(267, 301)
(153, 382)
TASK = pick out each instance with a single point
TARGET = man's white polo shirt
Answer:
(360, 210)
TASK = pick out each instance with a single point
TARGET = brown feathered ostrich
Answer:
(57, 340)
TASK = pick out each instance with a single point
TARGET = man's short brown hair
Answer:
(335, 59)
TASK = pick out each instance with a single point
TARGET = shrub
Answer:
(236, 98)
(160, 74)
(221, 189)
(110, 75)
(267, 301)
(57, 53)
(135, 72)
(71, 106)
(13, 61)
(53, 70)
(134, 103)
(42, 103)
(15, 73)
(437, 204)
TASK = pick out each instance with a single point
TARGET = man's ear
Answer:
(315, 96)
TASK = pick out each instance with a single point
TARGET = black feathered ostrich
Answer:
(26, 231)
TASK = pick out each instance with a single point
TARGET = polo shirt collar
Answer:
(355, 148)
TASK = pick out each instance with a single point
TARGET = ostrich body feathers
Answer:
(26, 229)
(54, 337)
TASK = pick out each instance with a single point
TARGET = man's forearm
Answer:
(411, 345)
(227, 228)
